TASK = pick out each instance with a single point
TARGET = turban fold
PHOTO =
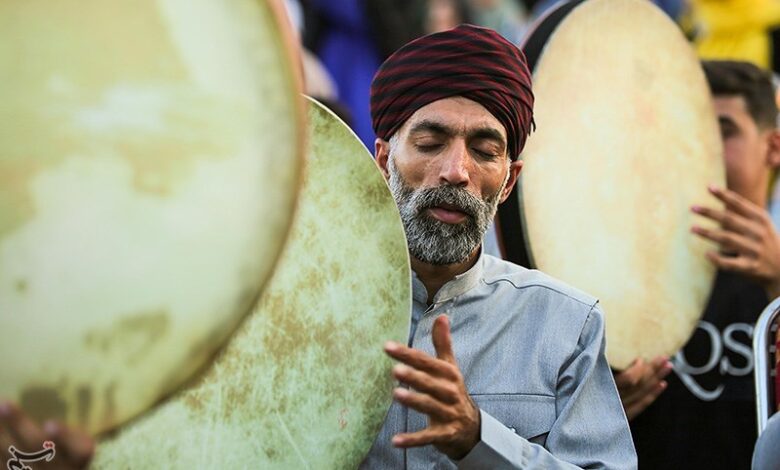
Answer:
(468, 61)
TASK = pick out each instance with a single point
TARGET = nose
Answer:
(454, 168)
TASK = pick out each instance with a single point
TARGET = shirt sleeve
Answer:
(590, 431)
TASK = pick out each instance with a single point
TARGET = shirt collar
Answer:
(459, 285)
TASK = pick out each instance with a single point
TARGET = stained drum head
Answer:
(150, 156)
(626, 142)
(304, 383)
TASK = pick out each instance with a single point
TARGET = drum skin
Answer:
(626, 143)
(305, 382)
(151, 153)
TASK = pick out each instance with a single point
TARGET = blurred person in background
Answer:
(317, 82)
(441, 15)
(507, 17)
(737, 30)
(351, 38)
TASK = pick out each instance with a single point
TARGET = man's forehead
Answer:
(456, 113)
(730, 105)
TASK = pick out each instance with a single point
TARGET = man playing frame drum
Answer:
(506, 366)
(706, 416)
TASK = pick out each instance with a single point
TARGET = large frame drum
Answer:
(626, 142)
(150, 158)
(305, 383)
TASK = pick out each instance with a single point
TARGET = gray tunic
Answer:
(531, 350)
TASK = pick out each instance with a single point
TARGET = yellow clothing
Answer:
(736, 29)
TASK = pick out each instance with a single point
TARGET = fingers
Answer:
(421, 361)
(731, 221)
(737, 203)
(748, 241)
(631, 376)
(662, 366)
(644, 397)
(74, 449)
(731, 263)
(22, 431)
(435, 377)
(442, 339)
(642, 371)
(729, 241)
(743, 225)
(421, 438)
(650, 383)
(443, 365)
(641, 383)
(410, 356)
(442, 389)
(437, 391)
(424, 404)
(637, 406)
(76, 446)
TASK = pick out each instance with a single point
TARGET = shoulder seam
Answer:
(544, 286)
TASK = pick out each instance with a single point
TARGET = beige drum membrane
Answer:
(150, 156)
(626, 142)
(305, 382)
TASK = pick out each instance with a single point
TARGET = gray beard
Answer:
(431, 240)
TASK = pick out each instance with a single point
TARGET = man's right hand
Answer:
(749, 244)
(73, 449)
(642, 383)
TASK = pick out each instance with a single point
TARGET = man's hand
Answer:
(436, 389)
(748, 241)
(641, 383)
(73, 450)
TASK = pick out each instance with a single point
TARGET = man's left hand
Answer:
(641, 383)
(438, 390)
(748, 241)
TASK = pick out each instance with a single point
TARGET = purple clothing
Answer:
(349, 52)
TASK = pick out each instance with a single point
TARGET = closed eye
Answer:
(728, 128)
(429, 148)
(485, 155)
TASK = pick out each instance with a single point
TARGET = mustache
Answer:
(448, 195)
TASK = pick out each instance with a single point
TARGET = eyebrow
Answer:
(436, 127)
(432, 126)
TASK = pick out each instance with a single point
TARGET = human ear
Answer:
(773, 149)
(381, 155)
(514, 172)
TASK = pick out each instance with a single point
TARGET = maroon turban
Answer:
(468, 61)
